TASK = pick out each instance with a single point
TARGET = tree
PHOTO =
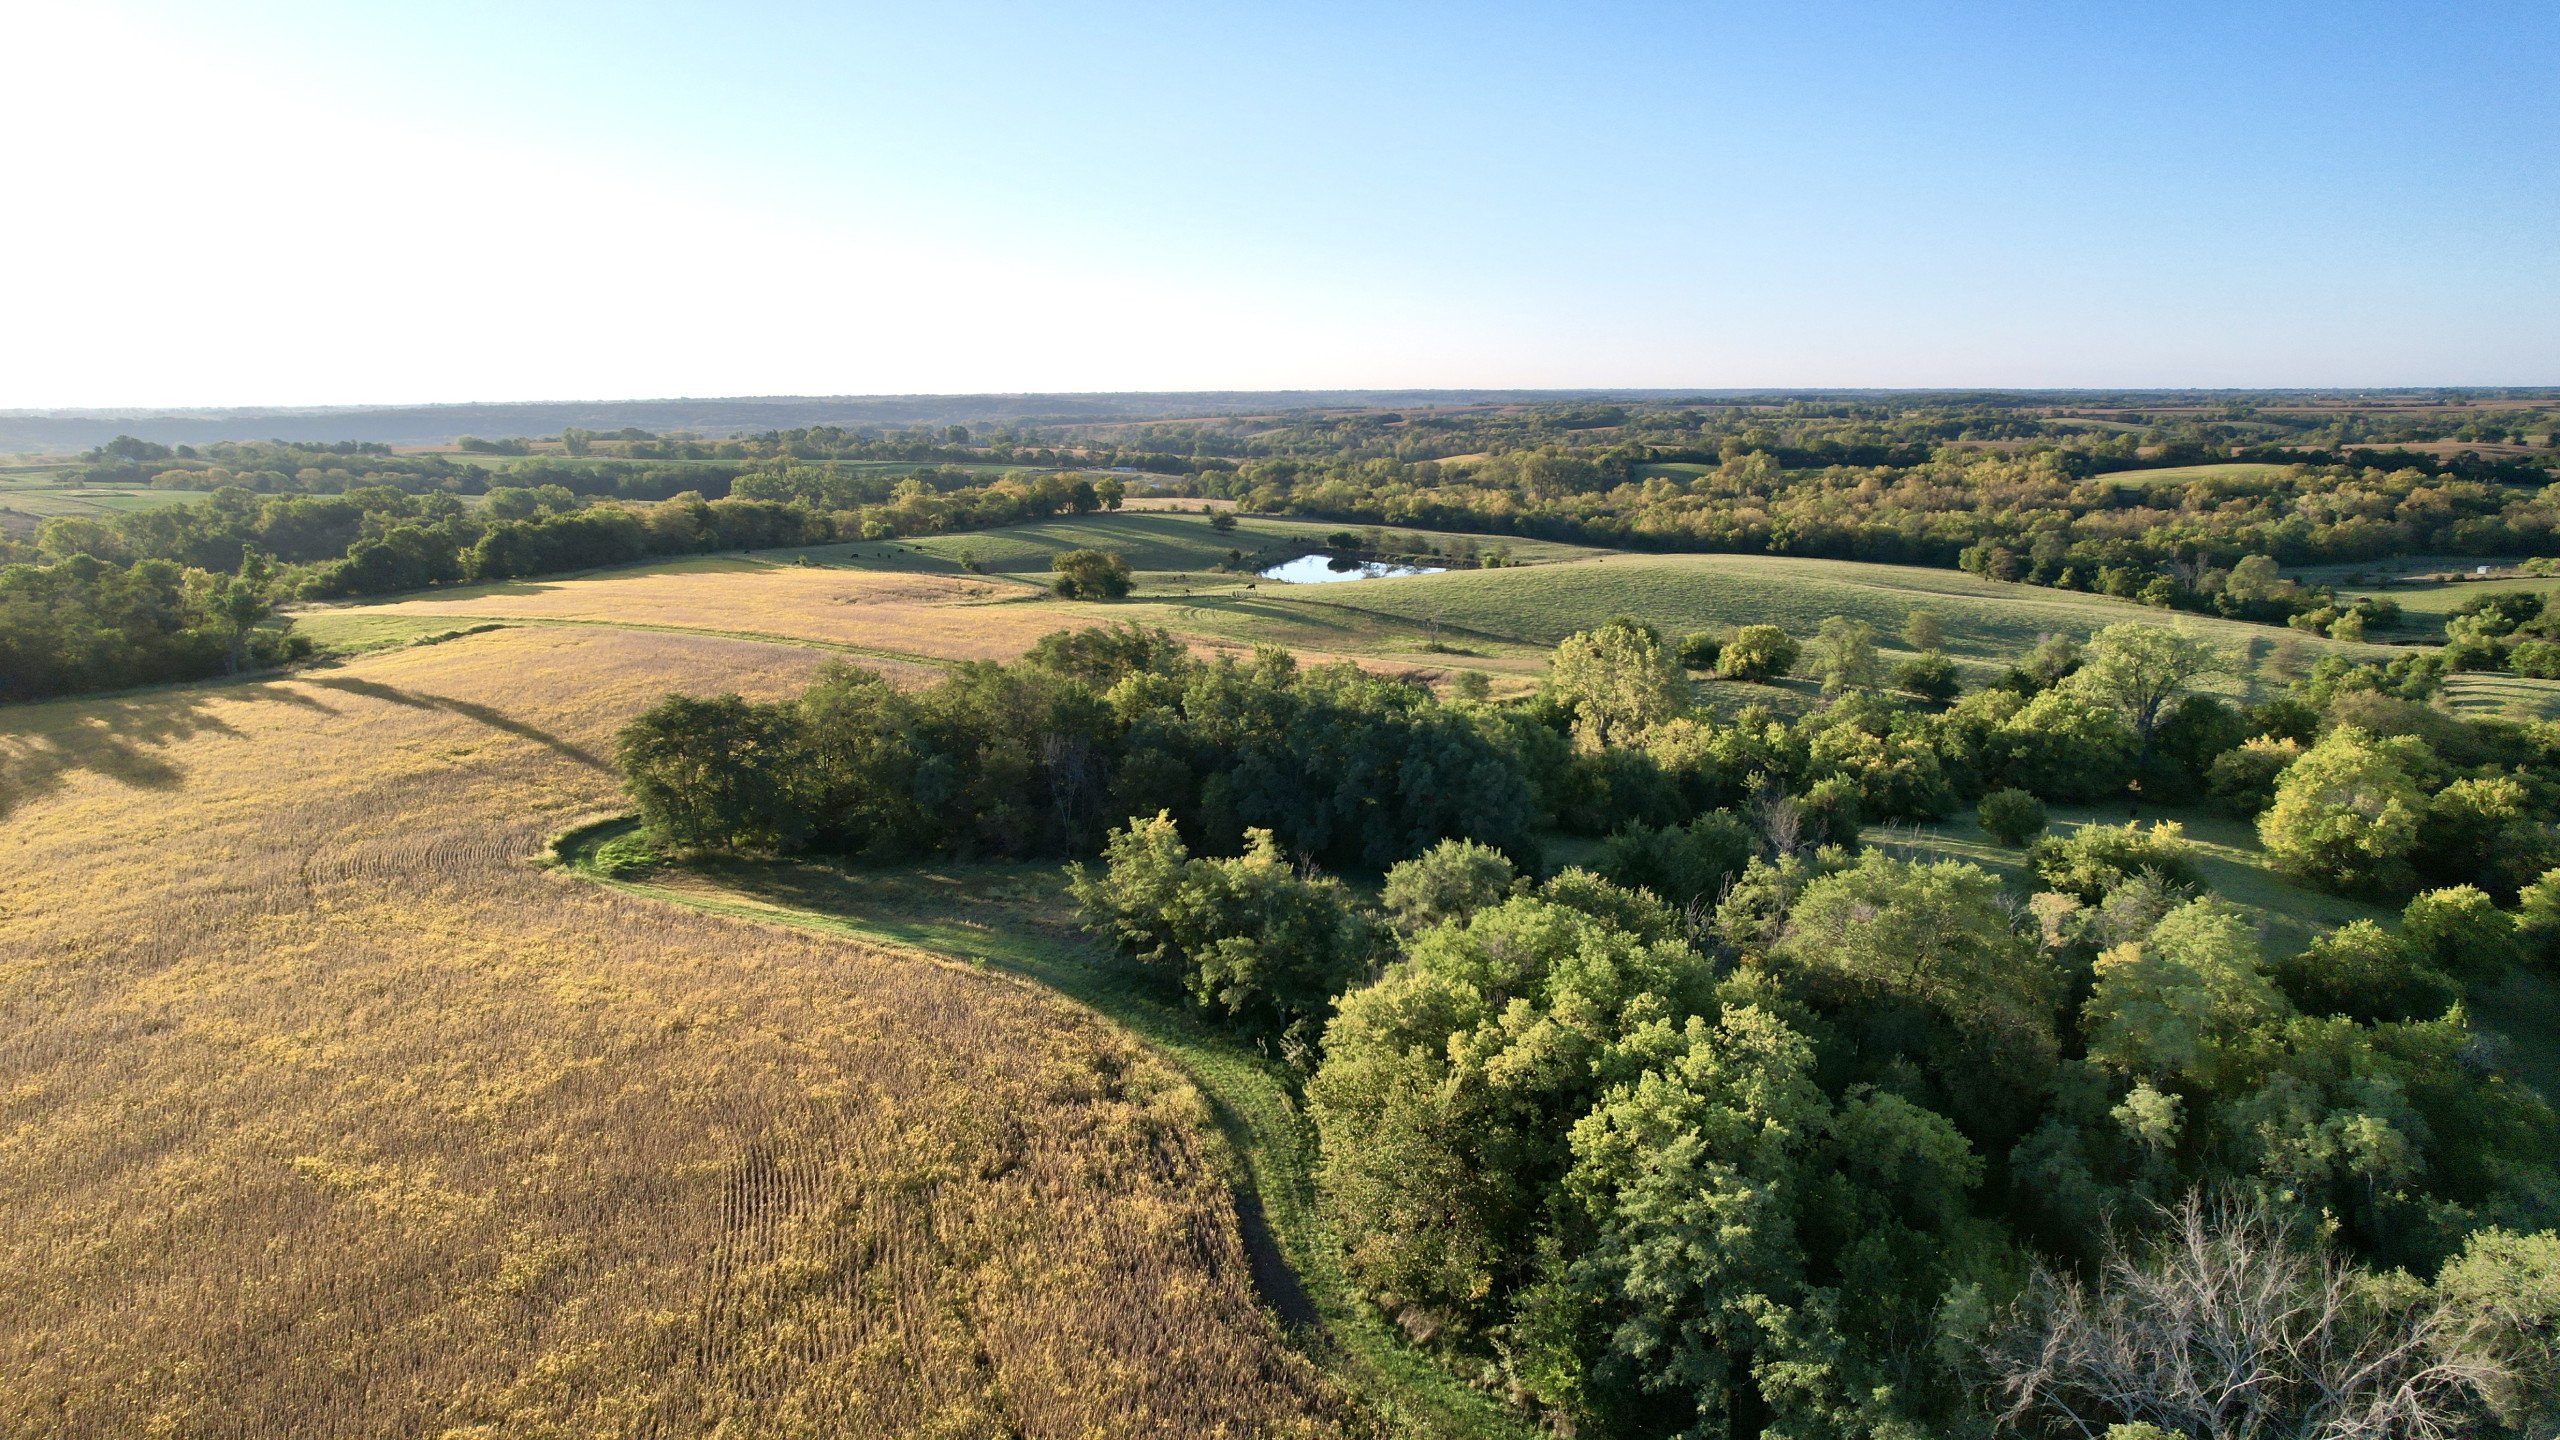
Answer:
(1936, 937)
(1757, 653)
(1449, 1088)
(236, 603)
(2012, 817)
(2178, 1005)
(718, 773)
(1699, 649)
(1844, 655)
(1616, 682)
(1930, 676)
(1449, 882)
(1223, 522)
(2229, 1326)
(1681, 865)
(1922, 631)
(1090, 575)
(2460, 931)
(1256, 943)
(2141, 670)
(2346, 814)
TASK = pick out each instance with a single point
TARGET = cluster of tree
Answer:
(2504, 630)
(1820, 1156)
(2210, 543)
(1748, 1128)
(89, 624)
(1037, 757)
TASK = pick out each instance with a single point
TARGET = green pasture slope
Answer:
(1987, 622)
(2180, 474)
(1169, 542)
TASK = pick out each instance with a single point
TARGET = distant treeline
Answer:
(101, 603)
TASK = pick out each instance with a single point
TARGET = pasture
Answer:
(324, 1112)
(1987, 622)
(2185, 474)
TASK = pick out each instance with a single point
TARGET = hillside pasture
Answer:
(1987, 623)
(2186, 474)
(325, 1112)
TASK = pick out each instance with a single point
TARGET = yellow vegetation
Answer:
(324, 1112)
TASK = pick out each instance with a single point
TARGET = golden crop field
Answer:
(892, 611)
(325, 1111)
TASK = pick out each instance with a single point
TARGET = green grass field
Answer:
(48, 501)
(2476, 696)
(1987, 623)
(2179, 474)
(1167, 543)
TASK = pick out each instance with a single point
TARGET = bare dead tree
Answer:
(2228, 1327)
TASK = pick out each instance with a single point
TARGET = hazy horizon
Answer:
(293, 205)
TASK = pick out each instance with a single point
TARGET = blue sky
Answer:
(336, 203)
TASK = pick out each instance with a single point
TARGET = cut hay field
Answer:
(325, 1112)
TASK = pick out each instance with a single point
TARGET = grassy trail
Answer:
(1269, 1147)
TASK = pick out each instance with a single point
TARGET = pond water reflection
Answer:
(1325, 569)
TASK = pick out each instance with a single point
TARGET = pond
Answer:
(1325, 569)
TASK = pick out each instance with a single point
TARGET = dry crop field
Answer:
(325, 1112)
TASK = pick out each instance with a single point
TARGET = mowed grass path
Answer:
(325, 1112)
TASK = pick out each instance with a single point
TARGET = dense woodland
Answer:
(1749, 1127)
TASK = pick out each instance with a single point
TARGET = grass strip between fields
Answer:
(1269, 1146)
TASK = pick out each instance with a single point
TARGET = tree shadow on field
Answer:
(487, 715)
(43, 745)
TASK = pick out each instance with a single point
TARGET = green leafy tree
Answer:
(1090, 575)
(1448, 1088)
(2095, 859)
(2012, 817)
(1700, 649)
(1929, 675)
(1616, 682)
(2141, 671)
(1448, 882)
(718, 773)
(1759, 654)
(1844, 655)
(2460, 931)
(1922, 631)
(1256, 943)
(2346, 815)
(2180, 1004)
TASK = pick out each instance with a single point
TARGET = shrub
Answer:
(1254, 942)
(2461, 932)
(1758, 653)
(1680, 864)
(1929, 675)
(1700, 649)
(2012, 817)
(2098, 858)
(1449, 882)
(2365, 973)
(1090, 575)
